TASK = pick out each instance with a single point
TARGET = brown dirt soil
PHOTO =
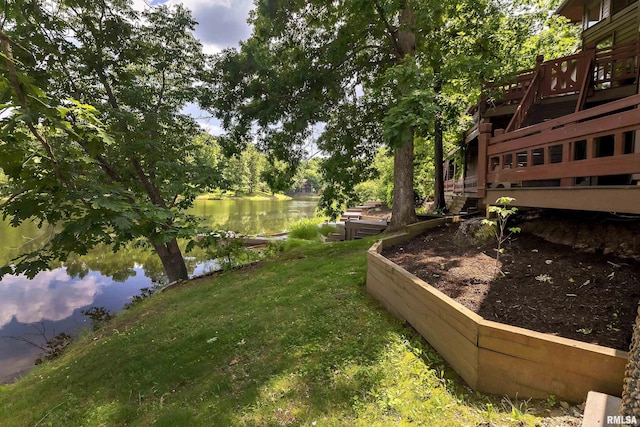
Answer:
(547, 287)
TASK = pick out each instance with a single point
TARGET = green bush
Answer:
(326, 229)
(305, 230)
(370, 190)
(483, 234)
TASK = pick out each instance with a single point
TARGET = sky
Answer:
(221, 24)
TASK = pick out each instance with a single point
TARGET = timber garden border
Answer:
(491, 357)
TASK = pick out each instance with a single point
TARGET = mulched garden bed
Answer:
(547, 287)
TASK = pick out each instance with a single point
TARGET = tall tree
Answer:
(373, 72)
(120, 164)
(254, 161)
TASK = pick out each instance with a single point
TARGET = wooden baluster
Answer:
(566, 158)
(618, 144)
(637, 59)
(590, 147)
(542, 78)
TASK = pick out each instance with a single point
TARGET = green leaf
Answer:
(121, 223)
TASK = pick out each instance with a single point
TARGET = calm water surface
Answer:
(52, 301)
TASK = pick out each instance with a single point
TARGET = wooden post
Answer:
(542, 78)
(483, 145)
(566, 158)
(546, 155)
(618, 144)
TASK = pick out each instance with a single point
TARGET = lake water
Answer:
(52, 302)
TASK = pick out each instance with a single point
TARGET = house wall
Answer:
(624, 26)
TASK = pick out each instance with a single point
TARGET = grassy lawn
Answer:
(257, 195)
(291, 341)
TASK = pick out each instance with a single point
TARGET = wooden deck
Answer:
(358, 222)
(564, 135)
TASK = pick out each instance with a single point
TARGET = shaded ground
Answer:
(547, 287)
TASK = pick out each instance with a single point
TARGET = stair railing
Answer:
(531, 96)
(586, 80)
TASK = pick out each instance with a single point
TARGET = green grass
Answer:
(306, 229)
(310, 229)
(294, 340)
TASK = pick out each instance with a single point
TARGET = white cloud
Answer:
(139, 5)
(222, 23)
(212, 128)
(211, 48)
(51, 295)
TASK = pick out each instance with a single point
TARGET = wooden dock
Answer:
(358, 222)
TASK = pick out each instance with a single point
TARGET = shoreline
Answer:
(257, 196)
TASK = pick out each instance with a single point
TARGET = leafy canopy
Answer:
(92, 137)
(363, 73)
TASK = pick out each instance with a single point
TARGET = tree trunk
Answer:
(438, 149)
(403, 211)
(631, 388)
(172, 260)
(438, 158)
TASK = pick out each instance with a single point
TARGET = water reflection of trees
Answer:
(121, 265)
(19, 240)
(252, 217)
(249, 217)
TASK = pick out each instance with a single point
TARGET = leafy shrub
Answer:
(483, 234)
(306, 229)
(370, 190)
(326, 229)
(310, 229)
(503, 212)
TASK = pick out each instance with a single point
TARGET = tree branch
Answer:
(391, 31)
(161, 94)
(151, 190)
(22, 99)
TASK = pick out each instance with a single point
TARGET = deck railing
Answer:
(615, 66)
(468, 185)
(612, 67)
(471, 184)
(562, 76)
(509, 92)
(584, 148)
(450, 185)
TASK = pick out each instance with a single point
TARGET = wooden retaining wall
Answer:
(491, 357)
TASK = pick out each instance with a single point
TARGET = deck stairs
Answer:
(461, 204)
(359, 222)
(545, 110)
(338, 235)
(360, 229)
(359, 212)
